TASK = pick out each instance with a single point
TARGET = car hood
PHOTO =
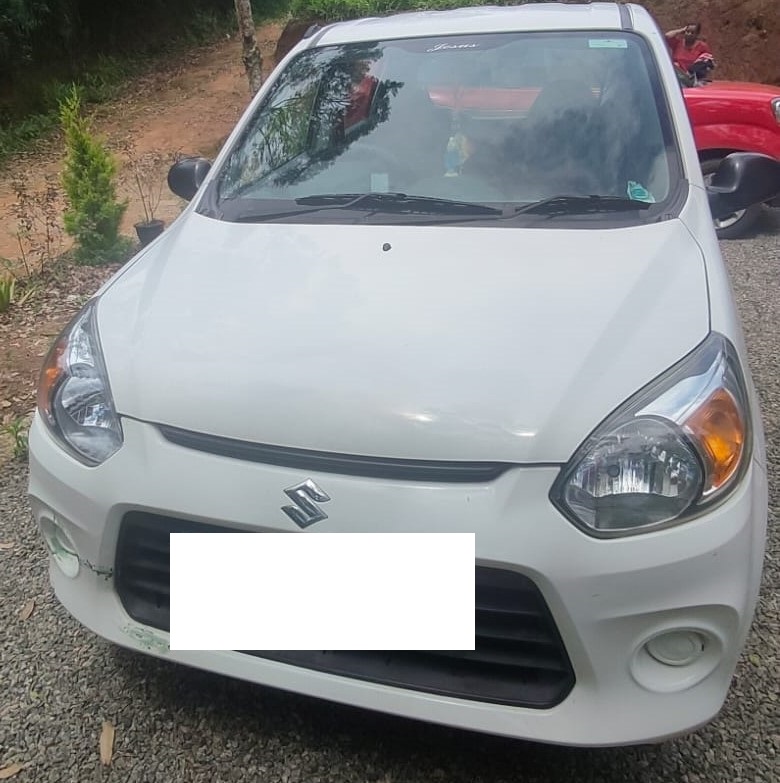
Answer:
(450, 343)
(732, 90)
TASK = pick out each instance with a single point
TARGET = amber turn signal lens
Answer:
(53, 369)
(719, 430)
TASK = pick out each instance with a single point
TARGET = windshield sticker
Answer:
(457, 44)
(380, 183)
(637, 192)
(608, 43)
(441, 47)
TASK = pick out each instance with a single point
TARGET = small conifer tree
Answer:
(89, 179)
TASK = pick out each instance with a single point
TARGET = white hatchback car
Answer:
(452, 272)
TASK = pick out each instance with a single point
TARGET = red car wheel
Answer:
(736, 225)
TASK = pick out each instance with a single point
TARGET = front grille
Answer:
(519, 658)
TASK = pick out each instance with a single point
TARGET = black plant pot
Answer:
(149, 231)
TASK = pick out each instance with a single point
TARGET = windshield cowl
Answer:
(371, 205)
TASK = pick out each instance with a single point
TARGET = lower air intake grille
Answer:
(143, 564)
(519, 658)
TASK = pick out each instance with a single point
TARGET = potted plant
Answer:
(145, 174)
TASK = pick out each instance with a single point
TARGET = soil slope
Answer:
(744, 34)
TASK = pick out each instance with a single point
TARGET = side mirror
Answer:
(743, 179)
(187, 175)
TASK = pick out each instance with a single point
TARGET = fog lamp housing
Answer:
(676, 648)
(61, 547)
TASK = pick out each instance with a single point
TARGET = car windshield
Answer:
(418, 129)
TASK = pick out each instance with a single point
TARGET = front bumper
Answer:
(607, 598)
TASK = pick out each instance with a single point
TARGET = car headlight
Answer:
(74, 398)
(776, 108)
(670, 451)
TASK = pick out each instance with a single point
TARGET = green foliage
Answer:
(9, 293)
(104, 78)
(331, 10)
(89, 180)
(7, 289)
(49, 46)
(67, 31)
(203, 23)
(42, 99)
(19, 136)
(17, 428)
(18, 20)
(263, 10)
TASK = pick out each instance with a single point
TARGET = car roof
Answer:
(488, 19)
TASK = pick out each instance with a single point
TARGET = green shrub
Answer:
(353, 9)
(270, 9)
(89, 180)
(54, 93)
(18, 428)
(103, 80)
(19, 136)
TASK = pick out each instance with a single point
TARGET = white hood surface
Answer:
(456, 343)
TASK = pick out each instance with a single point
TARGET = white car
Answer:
(452, 272)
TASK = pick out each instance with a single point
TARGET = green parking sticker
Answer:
(608, 43)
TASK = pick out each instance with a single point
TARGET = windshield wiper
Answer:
(399, 203)
(581, 205)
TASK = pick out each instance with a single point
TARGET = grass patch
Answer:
(22, 134)
(17, 428)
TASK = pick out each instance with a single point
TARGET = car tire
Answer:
(738, 224)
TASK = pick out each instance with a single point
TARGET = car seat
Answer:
(556, 143)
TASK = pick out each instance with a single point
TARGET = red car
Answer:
(734, 117)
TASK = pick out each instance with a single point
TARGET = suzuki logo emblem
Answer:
(304, 496)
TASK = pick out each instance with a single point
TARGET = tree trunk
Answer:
(253, 61)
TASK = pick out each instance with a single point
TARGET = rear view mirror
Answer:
(743, 179)
(187, 175)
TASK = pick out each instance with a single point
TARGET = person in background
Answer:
(690, 53)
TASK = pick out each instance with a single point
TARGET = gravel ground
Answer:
(58, 683)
